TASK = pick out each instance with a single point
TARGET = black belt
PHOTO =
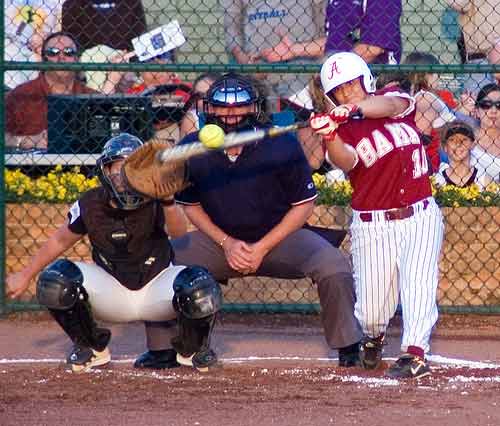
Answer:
(393, 214)
(474, 56)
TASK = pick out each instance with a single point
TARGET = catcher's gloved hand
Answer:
(145, 174)
(342, 113)
(323, 125)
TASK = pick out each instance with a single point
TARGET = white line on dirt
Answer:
(436, 359)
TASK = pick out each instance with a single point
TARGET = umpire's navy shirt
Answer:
(249, 197)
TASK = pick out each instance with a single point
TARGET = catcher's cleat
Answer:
(82, 359)
(200, 360)
(349, 356)
(370, 352)
(157, 359)
(409, 366)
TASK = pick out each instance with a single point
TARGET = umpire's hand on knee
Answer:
(257, 254)
(238, 255)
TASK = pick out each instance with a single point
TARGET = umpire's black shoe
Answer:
(370, 352)
(409, 366)
(157, 359)
(349, 356)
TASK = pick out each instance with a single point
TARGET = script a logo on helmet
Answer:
(334, 70)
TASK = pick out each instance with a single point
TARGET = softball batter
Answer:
(397, 227)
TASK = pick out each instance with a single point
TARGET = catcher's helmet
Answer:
(118, 148)
(232, 90)
(343, 67)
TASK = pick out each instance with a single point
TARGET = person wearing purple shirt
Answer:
(370, 28)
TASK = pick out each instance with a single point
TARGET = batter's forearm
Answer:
(341, 154)
(383, 106)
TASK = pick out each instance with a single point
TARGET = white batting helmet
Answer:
(343, 67)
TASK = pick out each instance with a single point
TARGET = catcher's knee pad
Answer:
(197, 299)
(60, 289)
(59, 285)
(196, 293)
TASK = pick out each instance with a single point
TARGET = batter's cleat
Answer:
(157, 360)
(82, 359)
(409, 366)
(370, 352)
(349, 356)
(201, 361)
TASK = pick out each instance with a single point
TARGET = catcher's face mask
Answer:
(109, 166)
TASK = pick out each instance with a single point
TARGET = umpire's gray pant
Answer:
(302, 254)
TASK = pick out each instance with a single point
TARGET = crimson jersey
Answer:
(392, 169)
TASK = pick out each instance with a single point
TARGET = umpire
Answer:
(250, 205)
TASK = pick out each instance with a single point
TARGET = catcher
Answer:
(132, 277)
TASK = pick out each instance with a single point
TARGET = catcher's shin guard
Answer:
(193, 342)
(60, 289)
(197, 299)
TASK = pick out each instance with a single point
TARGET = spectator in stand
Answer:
(480, 23)
(26, 105)
(146, 79)
(486, 153)
(458, 141)
(494, 59)
(94, 22)
(191, 120)
(169, 93)
(369, 28)
(27, 23)
(433, 104)
(258, 32)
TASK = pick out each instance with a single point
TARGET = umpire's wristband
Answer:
(167, 203)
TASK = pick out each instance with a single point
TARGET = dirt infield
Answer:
(273, 371)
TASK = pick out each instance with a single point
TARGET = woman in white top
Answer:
(432, 113)
(486, 153)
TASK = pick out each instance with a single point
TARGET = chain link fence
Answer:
(77, 72)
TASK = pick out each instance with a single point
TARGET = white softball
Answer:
(211, 136)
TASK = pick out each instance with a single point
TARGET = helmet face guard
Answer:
(232, 90)
(119, 148)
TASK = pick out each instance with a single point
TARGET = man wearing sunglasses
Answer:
(250, 206)
(26, 105)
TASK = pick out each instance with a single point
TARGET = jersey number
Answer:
(420, 165)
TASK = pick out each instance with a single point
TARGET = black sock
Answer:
(351, 349)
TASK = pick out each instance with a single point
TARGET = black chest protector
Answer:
(130, 244)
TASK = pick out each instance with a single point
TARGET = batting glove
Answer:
(342, 113)
(323, 125)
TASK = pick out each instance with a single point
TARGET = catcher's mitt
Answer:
(145, 174)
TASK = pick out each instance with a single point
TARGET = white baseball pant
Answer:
(111, 301)
(395, 259)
